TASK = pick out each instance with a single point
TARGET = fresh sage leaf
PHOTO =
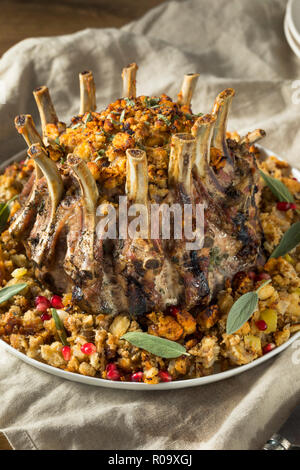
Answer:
(243, 309)
(7, 292)
(289, 241)
(278, 188)
(159, 346)
(60, 327)
(5, 213)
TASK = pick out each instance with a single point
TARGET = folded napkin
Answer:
(233, 43)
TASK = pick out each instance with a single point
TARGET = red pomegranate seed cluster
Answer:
(42, 304)
(112, 372)
(137, 377)
(66, 352)
(285, 206)
(258, 277)
(88, 349)
(268, 348)
(261, 325)
(173, 310)
(165, 376)
(56, 301)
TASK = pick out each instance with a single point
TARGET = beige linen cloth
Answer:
(233, 43)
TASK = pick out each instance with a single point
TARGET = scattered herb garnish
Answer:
(5, 213)
(164, 118)
(62, 160)
(115, 123)
(159, 346)
(60, 327)
(242, 310)
(8, 292)
(141, 146)
(152, 102)
(88, 118)
(279, 189)
(129, 102)
(57, 141)
(122, 115)
(79, 124)
(101, 154)
(289, 241)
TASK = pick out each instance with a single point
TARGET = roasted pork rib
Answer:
(58, 218)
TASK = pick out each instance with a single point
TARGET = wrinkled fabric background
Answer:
(233, 43)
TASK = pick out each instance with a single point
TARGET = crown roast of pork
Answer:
(153, 150)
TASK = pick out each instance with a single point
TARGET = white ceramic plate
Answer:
(142, 386)
(290, 38)
(293, 20)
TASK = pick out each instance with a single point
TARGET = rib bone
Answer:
(182, 157)
(51, 195)
(187, 89)
(80, 259)
(47, 113)
(87, 92)
(221, 111)
(26, 127)
(253, 136)
(202, 131)
(129, 81)
(137, 176)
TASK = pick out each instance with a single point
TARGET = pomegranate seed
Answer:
(173, 310)
(88, 349)
(110, 366)
(137, 377)
(112, 372)
(261, 325)
(283, 206)
(293, 205)
(269, 347)
(295, 179)
(40, 299)
(263, 277)
(252, 275)
(165, 376)
(45, 317)
(56, 302)
(66, 352)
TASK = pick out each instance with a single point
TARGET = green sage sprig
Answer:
(159, 346)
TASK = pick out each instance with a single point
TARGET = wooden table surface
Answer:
(20, 20)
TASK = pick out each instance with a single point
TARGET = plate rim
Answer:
(290, 24)
(177, 384)
(290, 39)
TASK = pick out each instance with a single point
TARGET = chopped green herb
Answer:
(79, 124)
(122, 115)
(129, 102)
(152, 102)
(5, 213)
(164, 118)
(60, 327)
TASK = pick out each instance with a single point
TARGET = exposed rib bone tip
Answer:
(221, 110)
(187, 89)
(137, 176)
(87, 92)
(182, 156)
(45, 106)
(26, 127)
(129, 81)
(253, 136)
